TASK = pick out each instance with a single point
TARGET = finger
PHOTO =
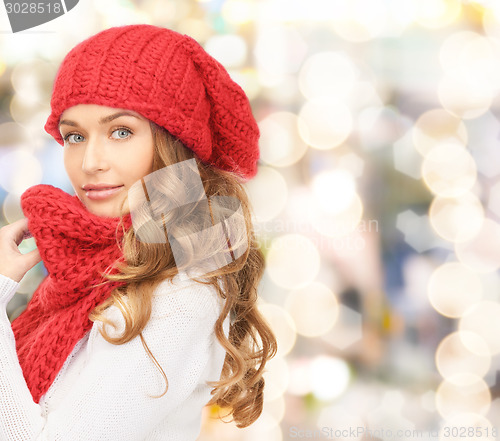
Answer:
(9, 232)
(32, 258)
(19, 230)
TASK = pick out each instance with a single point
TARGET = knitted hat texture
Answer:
(169, 79)
(75, 246)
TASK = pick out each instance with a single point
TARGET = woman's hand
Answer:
(13, 263)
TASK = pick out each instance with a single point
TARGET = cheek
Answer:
(136, 167)
(71, 165)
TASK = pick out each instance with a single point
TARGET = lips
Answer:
(99, 193)
(102, 186)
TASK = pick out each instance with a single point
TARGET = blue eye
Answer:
(69, 135)
(122, 131)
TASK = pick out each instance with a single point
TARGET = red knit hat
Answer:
(169, 79)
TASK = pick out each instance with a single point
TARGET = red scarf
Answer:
(75, 245)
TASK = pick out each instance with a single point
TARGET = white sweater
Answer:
(101, 392)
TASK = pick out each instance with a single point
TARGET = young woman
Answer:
(149, 310)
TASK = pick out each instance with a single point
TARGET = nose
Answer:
(94, 158)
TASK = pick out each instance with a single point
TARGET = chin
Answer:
(102, 211)
(105, 208)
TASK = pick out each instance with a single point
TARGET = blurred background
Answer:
(377, 201)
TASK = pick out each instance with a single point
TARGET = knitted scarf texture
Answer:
(75, 246)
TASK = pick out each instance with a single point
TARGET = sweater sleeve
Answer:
(113, 397)
(20, 416)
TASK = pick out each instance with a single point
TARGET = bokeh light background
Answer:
(377, 201)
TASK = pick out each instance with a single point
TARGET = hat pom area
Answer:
(235, 133)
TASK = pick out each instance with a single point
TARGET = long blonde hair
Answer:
(251, 342)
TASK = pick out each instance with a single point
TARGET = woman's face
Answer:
(105, 147)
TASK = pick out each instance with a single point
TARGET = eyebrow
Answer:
(102, 121)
